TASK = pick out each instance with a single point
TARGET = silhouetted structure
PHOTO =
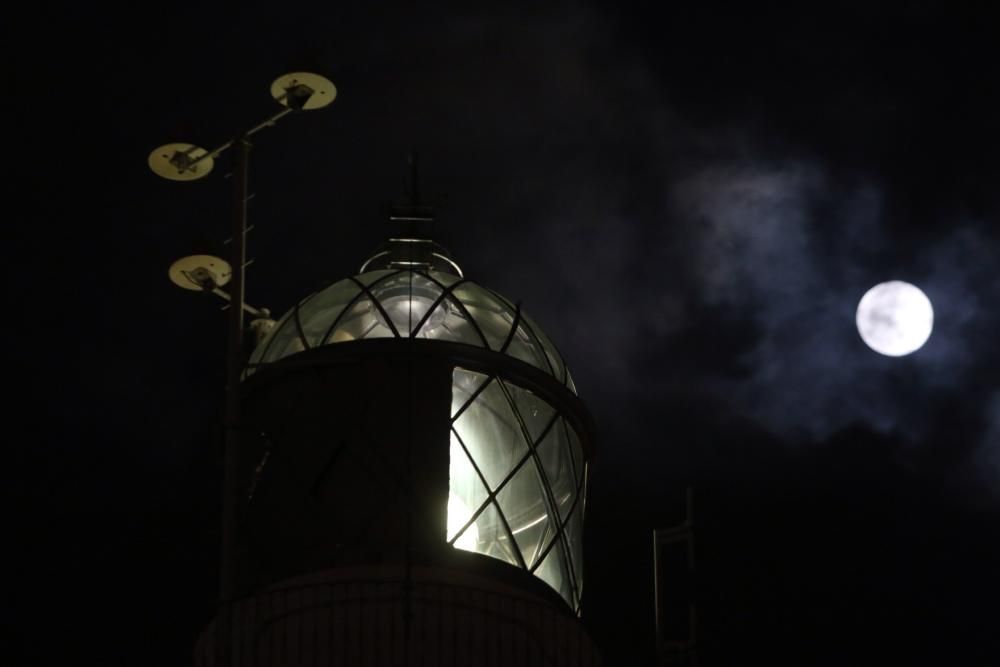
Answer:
(411, 478)
(674, 572)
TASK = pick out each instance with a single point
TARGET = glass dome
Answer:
(517, 470)
(411, 303)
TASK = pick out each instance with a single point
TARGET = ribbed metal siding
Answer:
(363, 624)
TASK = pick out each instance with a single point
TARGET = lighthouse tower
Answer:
(412, 478)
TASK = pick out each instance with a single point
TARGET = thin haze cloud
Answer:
(637, 231)
(670, 222)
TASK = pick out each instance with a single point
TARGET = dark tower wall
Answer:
(348, 465)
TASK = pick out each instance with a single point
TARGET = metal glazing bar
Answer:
(445, 294)
(491, 499)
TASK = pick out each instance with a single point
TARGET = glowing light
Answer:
(406, 311)
(458, 515)
(530, 524)
(895, 318)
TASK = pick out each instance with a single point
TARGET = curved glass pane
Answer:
(319, 312)
(535, 413)
(257, 355)
(361, 320)
(446, 279)
(491, 537)
(448, 322)
(492, 435)
(492, 317)
(526, 347)
(463, 385)
(574, 539)
(284, 339)
(569, 381)
(525, 451)
(370, 277)
(406, 298)
(522, 501)
(577, 452)
(399, 301)
(553, 571)
(553, 454)
(558, 370)
(465, 496)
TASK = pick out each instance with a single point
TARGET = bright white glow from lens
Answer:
(458, 515)
(895, 318)
(531, 524)
(406, 312)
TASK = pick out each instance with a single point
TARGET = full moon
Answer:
(895, 318)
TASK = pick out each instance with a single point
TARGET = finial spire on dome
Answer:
(414, 178)
(413, 220)
(411, 244)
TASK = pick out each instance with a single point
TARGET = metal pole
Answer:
(270, 122)
(255, 312)
(232, 445)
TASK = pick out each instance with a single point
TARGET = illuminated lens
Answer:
(458, 515)
(406, 312)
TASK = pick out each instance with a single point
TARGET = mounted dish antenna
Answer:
(181, 162)
(297, 91)
(303, 91)
(186, 162)
(200, 272)
(207, 273)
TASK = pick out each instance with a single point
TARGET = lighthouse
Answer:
(412, 477)
(406, 457)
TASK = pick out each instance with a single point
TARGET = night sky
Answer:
(690, 200)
